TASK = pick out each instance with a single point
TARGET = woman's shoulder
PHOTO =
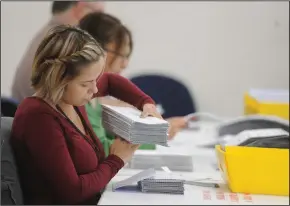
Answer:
(35, 116)
(34, 107)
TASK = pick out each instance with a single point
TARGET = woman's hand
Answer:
(175, 125)
(123, 149)
(150, 110)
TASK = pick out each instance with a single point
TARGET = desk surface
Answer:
(194, 195)
(186, 143)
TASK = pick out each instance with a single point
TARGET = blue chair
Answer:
(174, 98)
(8, 107)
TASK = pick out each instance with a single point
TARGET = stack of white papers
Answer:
(270, 95)
(256, 137)
(169, 186)
(147, 182)
(152, 159)
(126, 123)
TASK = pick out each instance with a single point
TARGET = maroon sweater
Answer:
(55, 172)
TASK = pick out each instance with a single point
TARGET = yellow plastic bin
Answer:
(255, 170)
(267, 102)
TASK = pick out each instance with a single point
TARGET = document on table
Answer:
(147, 182)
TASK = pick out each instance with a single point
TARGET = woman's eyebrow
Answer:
(88, 81)
(95, 79)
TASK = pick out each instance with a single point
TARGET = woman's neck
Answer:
(68, 109)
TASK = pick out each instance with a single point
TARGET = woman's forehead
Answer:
(92, 70)
(124, 43)
(124, 49)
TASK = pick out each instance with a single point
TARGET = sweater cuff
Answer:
(119, 162)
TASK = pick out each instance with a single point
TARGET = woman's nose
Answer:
(94, 88)
(125, 63)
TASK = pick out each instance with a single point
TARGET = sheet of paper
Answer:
(135, 178)
(134, 114)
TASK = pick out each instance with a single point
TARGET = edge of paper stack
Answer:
(126, 123)
(147, 182)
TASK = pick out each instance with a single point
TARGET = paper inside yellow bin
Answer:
(255, 170)
(267, 102)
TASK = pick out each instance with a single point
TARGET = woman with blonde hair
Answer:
(60, 159)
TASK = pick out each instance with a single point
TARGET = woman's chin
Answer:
(84, 102)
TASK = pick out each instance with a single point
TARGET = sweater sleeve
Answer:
(123, 89)
(48, 149)
(106, 144)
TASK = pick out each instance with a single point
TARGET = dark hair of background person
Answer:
(61, 6)
(106, 29)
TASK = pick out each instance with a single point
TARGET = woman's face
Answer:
(117, 61)
(80, 90)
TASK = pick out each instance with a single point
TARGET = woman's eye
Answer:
(84, 85)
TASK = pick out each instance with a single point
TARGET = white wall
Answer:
(219, 49)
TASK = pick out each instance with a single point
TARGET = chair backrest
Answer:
(8, 107)
(11, 192)
(174, 98)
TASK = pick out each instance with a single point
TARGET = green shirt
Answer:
(95, 118)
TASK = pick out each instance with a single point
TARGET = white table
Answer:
(187, 142)
(194, 195)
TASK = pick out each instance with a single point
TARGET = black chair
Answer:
(8, 107)
(171, 95)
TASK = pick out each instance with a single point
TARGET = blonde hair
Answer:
(59, 59)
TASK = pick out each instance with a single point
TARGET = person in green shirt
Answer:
(117, 40)
(94, 111)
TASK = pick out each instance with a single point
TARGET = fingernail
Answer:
(144, 115)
